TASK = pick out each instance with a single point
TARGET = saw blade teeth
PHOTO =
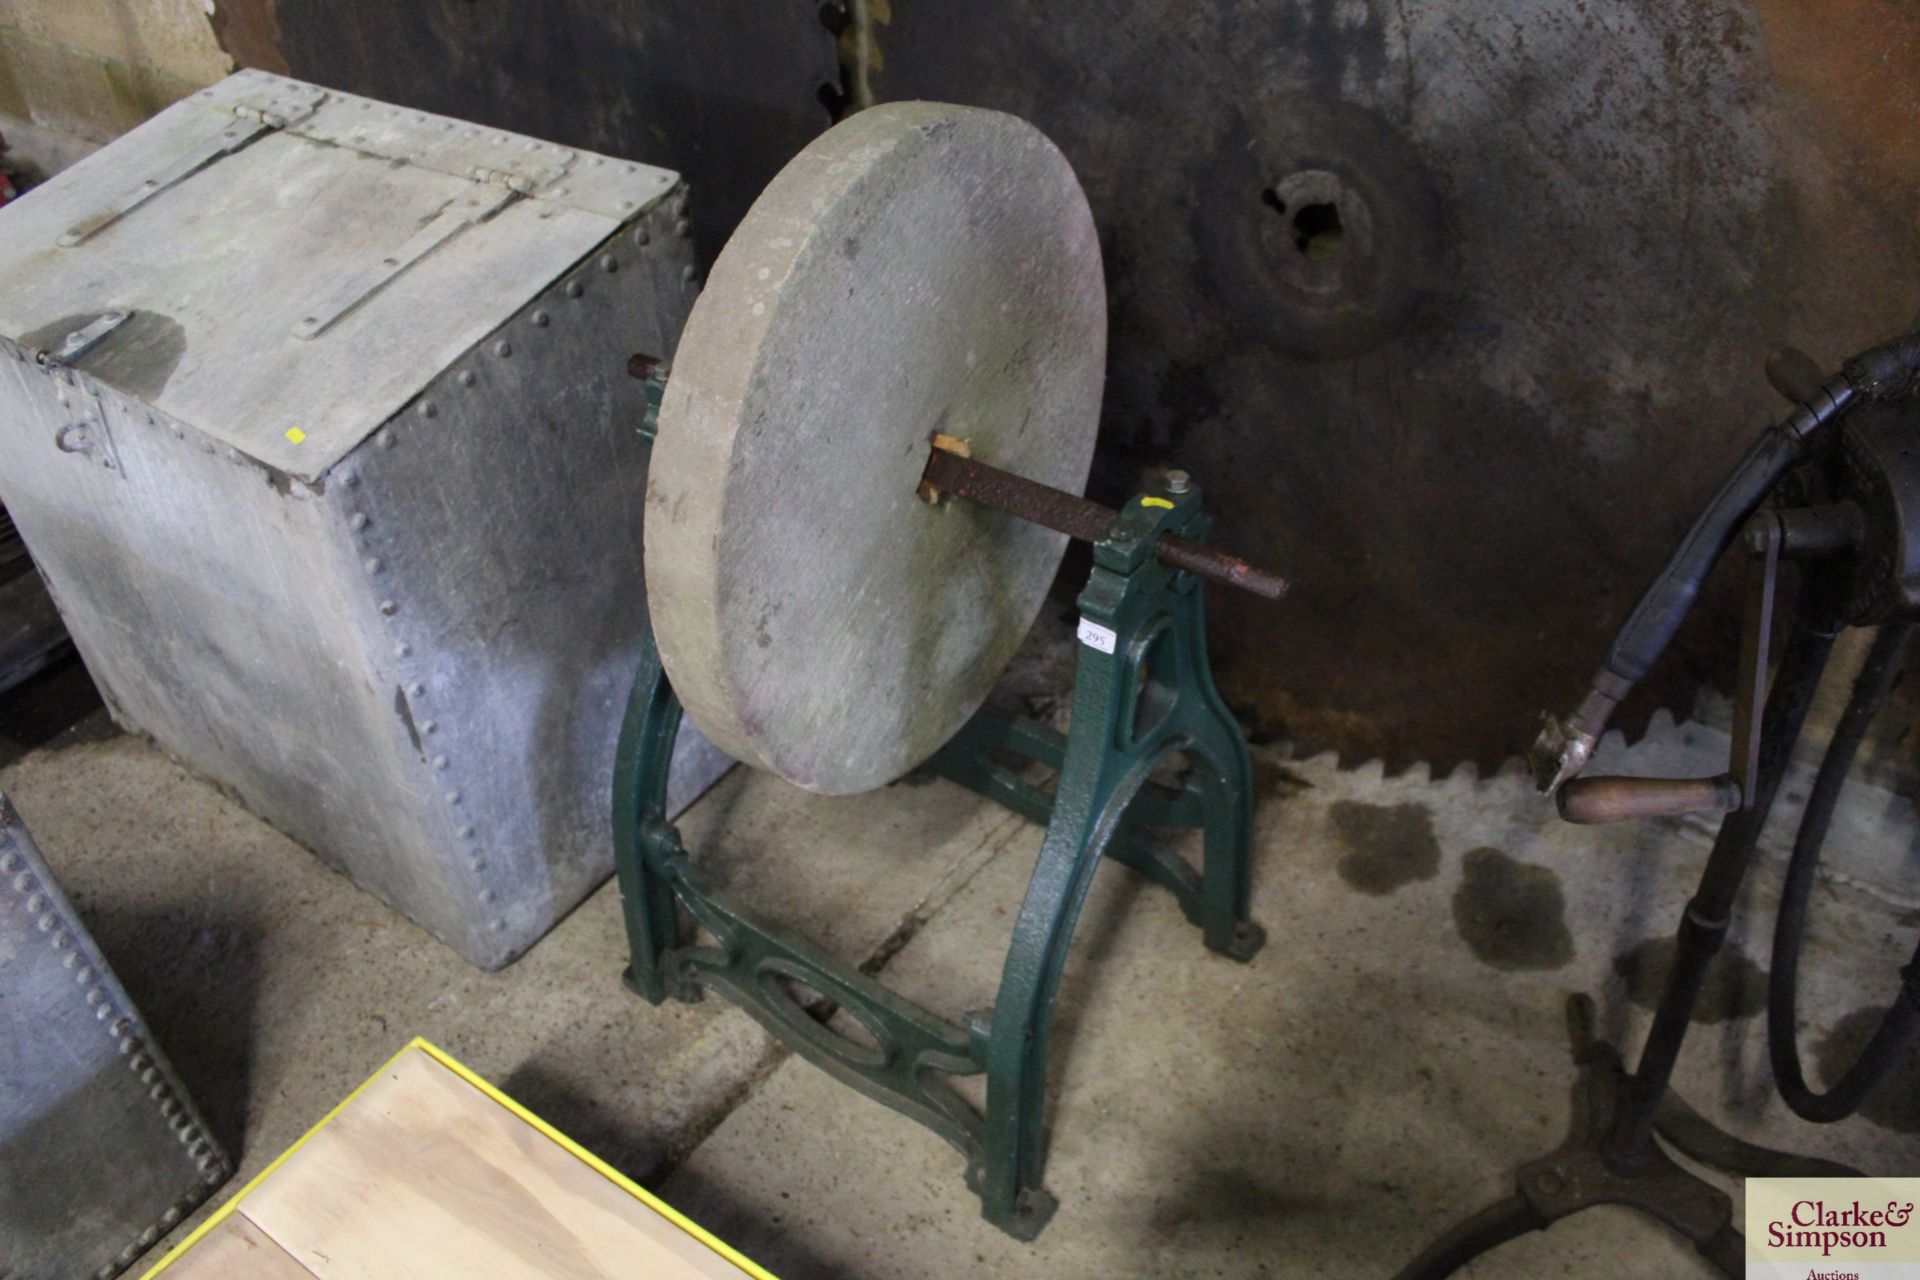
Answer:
(1310, 749)
(1419, 772)
(1373, 769)
(1349, 756)
(1634, 720)
(1631, 725)
(1403, 764)
(1304, 753)
(1514, 766)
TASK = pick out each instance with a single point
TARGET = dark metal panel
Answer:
(101, 1152)
(31, 634)
(1470, 421)
(724, 91)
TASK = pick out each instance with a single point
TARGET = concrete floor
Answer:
(1378, 1070)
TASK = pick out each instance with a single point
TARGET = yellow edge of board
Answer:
(567, 1144)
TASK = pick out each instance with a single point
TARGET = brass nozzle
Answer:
(1564, 746)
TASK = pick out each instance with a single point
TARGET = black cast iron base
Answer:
(1582, 1173)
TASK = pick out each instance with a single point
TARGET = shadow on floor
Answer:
(585, 1118)
(194, 976)
(788, 1256)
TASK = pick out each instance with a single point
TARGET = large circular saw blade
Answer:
(921, 268)
(1456, 310)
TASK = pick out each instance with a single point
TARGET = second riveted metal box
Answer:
(83, 1088)
(315, 414)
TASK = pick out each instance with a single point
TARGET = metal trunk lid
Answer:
(293, 265)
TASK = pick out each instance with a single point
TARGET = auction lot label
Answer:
(1833, 1229)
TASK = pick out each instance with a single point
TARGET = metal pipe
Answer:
(1703, 927)
(1818, 533)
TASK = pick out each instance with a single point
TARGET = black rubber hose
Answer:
(1898, 1029)
(1648, 629)
(1887, 371)
(1880, 373)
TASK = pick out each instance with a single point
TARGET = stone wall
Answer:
(77, 73)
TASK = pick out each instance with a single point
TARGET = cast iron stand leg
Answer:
(1014, 1150)
(640, 770)
(1142, 692)
(1223, 769)
(1610, 1156)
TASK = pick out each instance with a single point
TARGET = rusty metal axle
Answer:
(950, 470)
(1082, 518)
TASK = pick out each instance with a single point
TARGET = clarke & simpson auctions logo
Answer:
(1813, 1225)
(1832, 1229)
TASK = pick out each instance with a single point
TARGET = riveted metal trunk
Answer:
(338, 487)
(83, 1092)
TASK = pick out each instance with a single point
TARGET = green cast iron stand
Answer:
(1142, 692)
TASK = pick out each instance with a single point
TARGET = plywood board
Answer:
(237, 1250)
(426, 1171)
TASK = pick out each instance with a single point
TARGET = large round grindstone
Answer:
(920, 268)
